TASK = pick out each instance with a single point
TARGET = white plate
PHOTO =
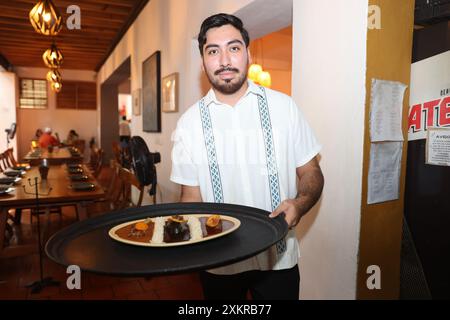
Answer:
(6, 191)
(236, 223)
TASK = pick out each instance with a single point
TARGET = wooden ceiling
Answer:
(103, 23)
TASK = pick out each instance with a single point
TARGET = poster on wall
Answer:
(386, 105)
(151, 93)
(438, 146)
(430, 95)
(384, 171)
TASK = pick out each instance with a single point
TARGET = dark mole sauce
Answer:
(125, 233)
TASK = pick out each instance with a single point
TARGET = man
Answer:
(124, 131)
(46, 139)
(246, 145)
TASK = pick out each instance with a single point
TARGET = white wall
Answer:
(84, 122)
(329, 63)
(7, 107)
(172, 27)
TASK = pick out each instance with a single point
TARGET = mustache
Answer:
(226, 69)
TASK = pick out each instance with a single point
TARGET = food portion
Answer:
(175, 229)
(141, 231)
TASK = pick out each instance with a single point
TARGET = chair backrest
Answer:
(80, 145)
(129, 180)
(96, 160)
(10, 157)
(3, 164)
(116, 151)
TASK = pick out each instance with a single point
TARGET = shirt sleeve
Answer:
(306, 145)
(184, 171)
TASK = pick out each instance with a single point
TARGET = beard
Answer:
(228, 86)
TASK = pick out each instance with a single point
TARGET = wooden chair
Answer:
(129, 181)
(113, 199)
(116, 151)
(3, 164)
(10, 157)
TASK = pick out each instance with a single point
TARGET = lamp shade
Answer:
(45, 18)
(56, 86)
(253, 72)
(54, 76)
(264, 79)
(53, 57)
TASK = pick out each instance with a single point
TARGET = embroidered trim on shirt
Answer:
(211, 152)
(274, 182)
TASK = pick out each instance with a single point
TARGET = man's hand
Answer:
(291, 208)
(309, 190)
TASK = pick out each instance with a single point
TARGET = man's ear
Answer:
(203, 67)
(250, 61)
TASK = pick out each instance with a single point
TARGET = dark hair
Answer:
(218, 20)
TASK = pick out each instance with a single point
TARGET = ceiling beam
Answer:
(5, 63)
(134, 14)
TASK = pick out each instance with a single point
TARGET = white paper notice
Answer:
(384, 171)
(438, 146)
(386, 104)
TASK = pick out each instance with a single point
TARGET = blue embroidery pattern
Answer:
(272, 171)
(211, 152)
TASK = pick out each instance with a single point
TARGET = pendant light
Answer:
(53, 57)
(56, 86)
(255, 71)
(54, 76)
(45, 18)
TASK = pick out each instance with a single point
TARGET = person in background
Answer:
(124, 131)
(47, 139)
(71, 137)
(270, 147)
(37, 134)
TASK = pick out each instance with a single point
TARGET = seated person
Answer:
(46, 139)
(71, 137)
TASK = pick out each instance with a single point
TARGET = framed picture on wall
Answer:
(136, 96)
(170, 93)
(151, 93)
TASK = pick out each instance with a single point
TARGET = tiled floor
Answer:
(15, 273)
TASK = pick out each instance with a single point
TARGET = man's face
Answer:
(225, 59)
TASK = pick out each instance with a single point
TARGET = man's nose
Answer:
(225, 59)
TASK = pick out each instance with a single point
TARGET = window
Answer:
(33, 94)
(77, 95)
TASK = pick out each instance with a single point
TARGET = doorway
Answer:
(116, 84)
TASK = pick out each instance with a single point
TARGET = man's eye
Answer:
(212, 52)
(235, 49)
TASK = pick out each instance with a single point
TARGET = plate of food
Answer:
(176, 230)
(82, 186)
(21, 166)
(13, 173)
(75, 166)
(78, 177)
(9, 180)
(75, 170)
(5, 189)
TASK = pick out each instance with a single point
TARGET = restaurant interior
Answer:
(90, 95)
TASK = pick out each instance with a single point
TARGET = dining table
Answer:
(58, 155)
(57, 190)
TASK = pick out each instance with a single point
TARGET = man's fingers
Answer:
(277, 211)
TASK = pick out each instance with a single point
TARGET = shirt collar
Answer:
(252, 88)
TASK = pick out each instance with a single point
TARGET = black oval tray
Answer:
(88, 245)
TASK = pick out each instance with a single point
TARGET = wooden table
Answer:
(58, 156)
(60, 195)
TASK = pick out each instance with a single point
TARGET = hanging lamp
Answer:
(56, 86)
(53, 57)
(54, 76)
(45, 18)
